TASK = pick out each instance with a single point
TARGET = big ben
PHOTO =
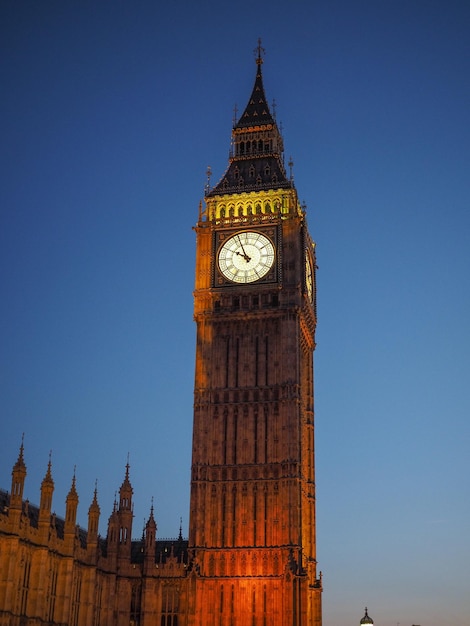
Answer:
(252, 509)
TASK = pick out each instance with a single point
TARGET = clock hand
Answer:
(247, 258)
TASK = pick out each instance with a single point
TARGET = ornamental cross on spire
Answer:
(235, 114)
(259, 52)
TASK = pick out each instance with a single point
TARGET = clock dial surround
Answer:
(246, 257)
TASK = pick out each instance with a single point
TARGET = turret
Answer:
(47, 489)
(71, 505)
(150, 536)
(93, 522)
(125, 515)
(113, 534)
(18, 476)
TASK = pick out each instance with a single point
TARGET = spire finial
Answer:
(259, 51)
(235, 115)
(208, 182)
(291, 165)
(366, 620)
(20, 460)
(49, 465)
(127, 467)
(95, 493)
(73, 488)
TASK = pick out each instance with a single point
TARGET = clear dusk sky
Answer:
(110, 113)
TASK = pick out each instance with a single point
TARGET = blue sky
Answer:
(110, 113)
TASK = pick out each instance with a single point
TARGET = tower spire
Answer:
(257, 110)
(20, 466)
(256, 153)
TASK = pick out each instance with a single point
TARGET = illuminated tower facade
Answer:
(252, 511)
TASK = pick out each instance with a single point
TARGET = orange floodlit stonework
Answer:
(250, 559)
(252, 516)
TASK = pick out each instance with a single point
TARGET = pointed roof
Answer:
(256, 161)
(94, 506)
(366, 619)
(20, 464)
(126, 482)
(72, 494)
(126, 486)
(257, 111)
(151, 523)
(48, 481)
(125, 492)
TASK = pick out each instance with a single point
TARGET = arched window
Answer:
(170, 606)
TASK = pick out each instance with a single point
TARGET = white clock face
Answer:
(246, 257)
(309, 277)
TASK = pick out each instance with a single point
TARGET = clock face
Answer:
(308, 277)
(246, 257)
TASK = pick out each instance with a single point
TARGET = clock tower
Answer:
(252, 510)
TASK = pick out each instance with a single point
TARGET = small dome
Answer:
(366, 619)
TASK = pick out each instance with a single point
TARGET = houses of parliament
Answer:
(250, 559)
